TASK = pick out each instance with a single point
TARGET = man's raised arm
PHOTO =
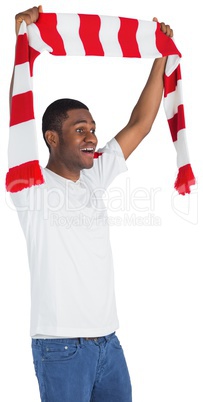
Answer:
(145, 111)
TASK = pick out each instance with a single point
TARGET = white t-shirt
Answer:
(66, 228)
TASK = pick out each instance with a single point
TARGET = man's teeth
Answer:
(88, 149)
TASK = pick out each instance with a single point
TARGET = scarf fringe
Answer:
(23, 176)
(184, 180)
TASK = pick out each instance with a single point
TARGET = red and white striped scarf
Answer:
(93, 35)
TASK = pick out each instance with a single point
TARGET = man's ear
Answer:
(52, 138)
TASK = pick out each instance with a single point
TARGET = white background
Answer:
(158, 258)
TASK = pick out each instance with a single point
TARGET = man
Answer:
(77, 355)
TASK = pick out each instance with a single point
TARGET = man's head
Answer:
(69, 132)
(56, 113)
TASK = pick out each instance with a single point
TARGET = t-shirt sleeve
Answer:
(109, 162)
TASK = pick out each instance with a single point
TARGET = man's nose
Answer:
(90, 137)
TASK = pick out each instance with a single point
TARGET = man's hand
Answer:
(166, 29)
(29, 16)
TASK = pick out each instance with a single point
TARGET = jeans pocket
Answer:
(59, 352)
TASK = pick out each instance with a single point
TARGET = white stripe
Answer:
(146, 39)
(23, 28)
(181, 148)
(173, 100)
(108, 36)
(22, 145)
(68, 27)
(35, 39)
(171, 64)
(22, 82)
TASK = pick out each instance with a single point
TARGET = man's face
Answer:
(78, 141)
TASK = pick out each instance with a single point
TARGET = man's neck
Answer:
(63, 171)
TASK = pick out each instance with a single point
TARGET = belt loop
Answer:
(81, 341)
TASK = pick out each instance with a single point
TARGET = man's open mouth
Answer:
(89, 150)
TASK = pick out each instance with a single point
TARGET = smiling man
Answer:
(77, 355)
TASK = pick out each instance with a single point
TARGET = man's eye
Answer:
(79, 130)
(92, 131)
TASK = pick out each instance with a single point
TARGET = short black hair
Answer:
(56, 113)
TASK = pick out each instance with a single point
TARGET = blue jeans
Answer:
(80, 370)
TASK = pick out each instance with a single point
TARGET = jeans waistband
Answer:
(73, 341)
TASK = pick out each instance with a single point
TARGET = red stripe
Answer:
(177, 122)
(22, 55)
(164, 44)
(185, 179)
(22, 108)
(170, 82)
(47, 24)
(25, 53)
(89, 34)
(127, 37)
(32, 56)
(23, 176)
(97, 154)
